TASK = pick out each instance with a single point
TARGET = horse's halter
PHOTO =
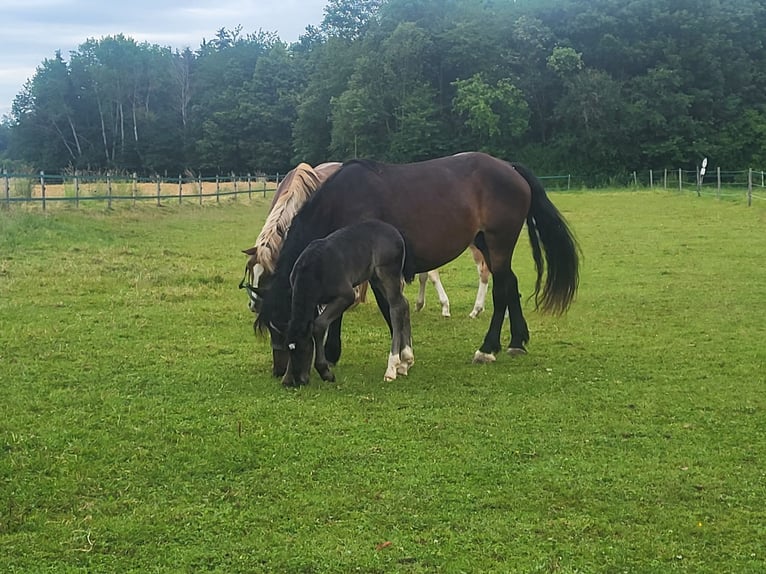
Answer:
(252, 291)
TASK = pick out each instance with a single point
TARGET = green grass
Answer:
(141, 430)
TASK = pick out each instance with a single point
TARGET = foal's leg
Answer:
(519, 329)
(382, 301)
(401, 358)
(332, 346)
(332, 311)
(481, 293)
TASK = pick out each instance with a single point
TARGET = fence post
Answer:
(199, 183)
(135, 187)
(750, 187)
(7, 188)
(76, 190)
(158, 190)
(109, 190)
(718, 181)
(249, 187)
(234, 177)
(180, 188)
(217, 189)
(651, 179)
(42, 187)
(680, 180)
(569, 181)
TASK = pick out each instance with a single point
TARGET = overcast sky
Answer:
(32, 30)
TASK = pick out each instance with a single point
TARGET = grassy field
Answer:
(141, 430)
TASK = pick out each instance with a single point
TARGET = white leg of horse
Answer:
(407, 359)
(393, 363)
(443, 299)
(481, 295)
(421, 300)
(481, 358)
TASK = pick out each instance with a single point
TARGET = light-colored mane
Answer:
(291, 194)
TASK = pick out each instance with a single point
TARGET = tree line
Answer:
(592, 87)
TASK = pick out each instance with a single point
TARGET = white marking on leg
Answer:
(481, 295)
(393, 363)
(482, 358)
(407, 360)
(443, 299)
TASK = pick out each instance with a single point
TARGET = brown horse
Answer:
(291, 193)
(440, 207)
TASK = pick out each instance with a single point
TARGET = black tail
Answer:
(547, 228)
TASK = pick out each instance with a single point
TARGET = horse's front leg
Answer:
(332, 311)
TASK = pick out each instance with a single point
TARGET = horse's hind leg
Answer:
(443, 299)
(388, 285)
(382, 301)
(481, 292)
(519, 329)
(421, 300)
(332, 345)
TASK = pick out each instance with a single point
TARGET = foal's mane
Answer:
(297, 187)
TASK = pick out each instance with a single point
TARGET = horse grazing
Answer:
(293, 191)
(441, 206)
(324, 277)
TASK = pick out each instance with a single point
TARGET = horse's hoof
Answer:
(446, 314)
(388, 378)
(480, 358)
(475, 313)
(516, 351)
(419, 306)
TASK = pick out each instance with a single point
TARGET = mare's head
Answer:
(255, 280)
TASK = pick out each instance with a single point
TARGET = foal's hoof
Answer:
(328, 376)
(516, 351)
(480, 358)
(293, 383)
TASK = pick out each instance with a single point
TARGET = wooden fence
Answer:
(749, 183)
(44, 189)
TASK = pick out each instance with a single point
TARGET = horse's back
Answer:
(440, 205)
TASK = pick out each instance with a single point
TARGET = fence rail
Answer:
(44, 189)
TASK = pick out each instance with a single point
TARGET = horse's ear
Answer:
(250, 251)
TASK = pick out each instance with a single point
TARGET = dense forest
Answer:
(596, 88)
